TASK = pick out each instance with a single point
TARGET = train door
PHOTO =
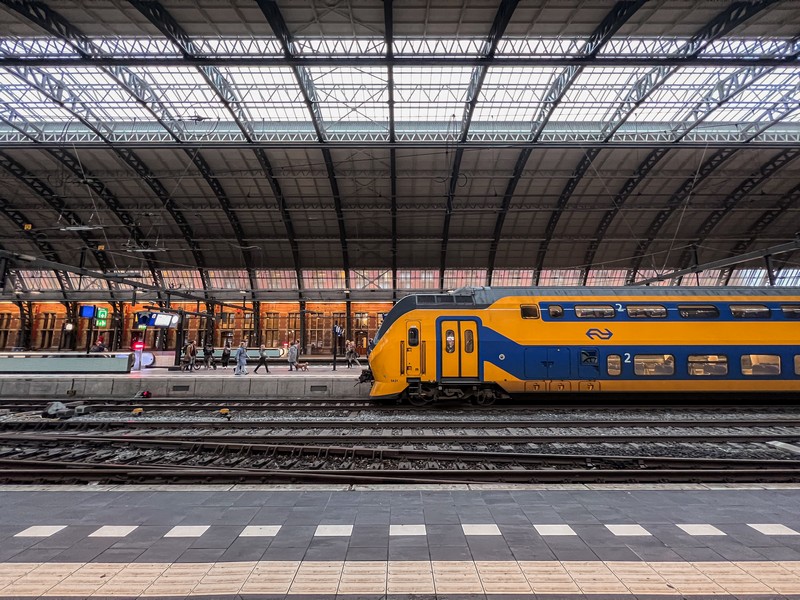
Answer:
(459, 349)
(410, 350)
(547, 363)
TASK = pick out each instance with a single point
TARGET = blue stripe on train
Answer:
(526, 362)
(621, 314)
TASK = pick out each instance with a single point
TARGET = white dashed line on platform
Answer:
(545, 530)
(480, 529)
(114, 531)
(187, 531)
(773, 529)
(407, 530)
(40, 531)
(260, 531)
(333, 531)
(700, 529)
(628, 530)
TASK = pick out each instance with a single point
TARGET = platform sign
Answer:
(87, 312)
(101, 318)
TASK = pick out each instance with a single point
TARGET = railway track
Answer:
(529, 445)
(33, 458)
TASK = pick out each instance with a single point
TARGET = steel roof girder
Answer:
(641, 173)
(674, 203)
(766, 219)
(586, 161)
(499, 24)
(774, 164)
(733, 16)
(44, 191)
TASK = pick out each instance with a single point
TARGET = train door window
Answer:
(702, 365)
(698, 311)
(555, 311)
(761, 364)
(750, 311)
(589, 357)
(413, 336)
(614, 364)
(469, 341)
(797, 364)
(598, 311)
(790, 311)
(529, 311)
(654, 364)
(450, 341)
(647, 311)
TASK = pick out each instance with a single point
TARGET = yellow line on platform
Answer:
(398, 577)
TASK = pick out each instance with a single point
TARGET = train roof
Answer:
(482, 297)
(488, 295)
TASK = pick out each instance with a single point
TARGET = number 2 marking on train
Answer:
(627, 356)
(619, 307)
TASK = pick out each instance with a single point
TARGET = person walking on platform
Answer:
(241, 360)
(262, 359)
(226, 354)
(293, 350)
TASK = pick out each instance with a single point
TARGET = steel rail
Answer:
(394, 424)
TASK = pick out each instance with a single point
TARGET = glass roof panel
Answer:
(276, 279)
(710, 278)
(185, 279)
(185, 93)
(749, 277)
(268, 94)
(352, 94)
(229, 279)
(323, 279)
(512, 277)
(788, 277)
(595, 94)
(39, 280)
(561, 277)
(371, 279)
(642, 46)
(513, 93)
(606, 277)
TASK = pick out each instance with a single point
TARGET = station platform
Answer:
(253, 542)
(320, 380)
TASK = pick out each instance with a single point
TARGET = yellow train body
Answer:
(485, 342)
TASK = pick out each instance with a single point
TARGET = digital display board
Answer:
(87, 312)
(163, 320)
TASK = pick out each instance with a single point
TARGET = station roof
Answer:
(294, 145)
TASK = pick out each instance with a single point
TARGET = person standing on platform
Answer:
(262, 359)
(292, 355)
(208, 356)
(241, 360)
(226, 354)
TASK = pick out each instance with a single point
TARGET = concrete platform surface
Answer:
(318, 381)
(261, 542)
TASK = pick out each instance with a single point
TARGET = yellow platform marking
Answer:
(22, 580)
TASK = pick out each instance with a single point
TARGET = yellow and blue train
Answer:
(483, 344)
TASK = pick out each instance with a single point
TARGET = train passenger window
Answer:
(555, 311)
(450, 341)
(797, 364)
(698, 311)
(529, 311)
(749, 311)
(761, 364)
(654, 364)
(647, 311)
(614, 364)
(790, 311)
(599, 311)
(701, 365)
(469, 342)
(413, 336)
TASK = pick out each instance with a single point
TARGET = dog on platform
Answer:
(301, 366)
